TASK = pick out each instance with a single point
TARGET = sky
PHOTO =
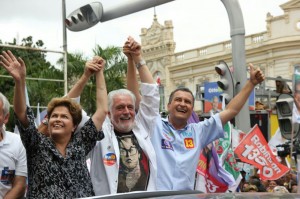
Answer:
(196, 22)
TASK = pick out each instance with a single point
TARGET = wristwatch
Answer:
(139, 64)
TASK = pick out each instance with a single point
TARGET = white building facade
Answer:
(276, 51)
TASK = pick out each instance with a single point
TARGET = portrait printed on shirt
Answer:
(134, 167)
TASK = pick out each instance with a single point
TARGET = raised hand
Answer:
(256, 75)
(100, 62)
(126, 50)
(15, 67)
(132, 48)
(93, 66)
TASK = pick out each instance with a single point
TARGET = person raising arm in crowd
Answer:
(124, 160)
(75, 92)
(178, 144)
(56, 164)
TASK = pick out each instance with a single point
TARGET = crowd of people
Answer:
(130, 146)
(285, 184)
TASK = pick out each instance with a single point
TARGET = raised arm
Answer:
(236, 104)
(101, 94)
(131, 77)
(135, 50)
(17, 69)
(148, 106)
(90, 68)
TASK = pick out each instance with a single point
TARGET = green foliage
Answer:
(36, 67)
(116, 68)
(43, 91)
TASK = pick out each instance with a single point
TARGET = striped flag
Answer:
(226, 155)
(211, 176)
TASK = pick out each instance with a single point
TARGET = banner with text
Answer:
(254, 149)
(211, 89)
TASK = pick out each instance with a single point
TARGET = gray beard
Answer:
(122, 129)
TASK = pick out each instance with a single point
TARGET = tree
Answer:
(37, 67)
(116, 66)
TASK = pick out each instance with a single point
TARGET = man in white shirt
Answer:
(13, 164)
(125, 161)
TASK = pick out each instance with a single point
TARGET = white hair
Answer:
(6, 104)
(115, 93)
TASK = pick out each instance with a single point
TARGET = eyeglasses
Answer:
(125, 152)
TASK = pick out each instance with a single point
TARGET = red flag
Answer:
(216, 179)
(254, 149)
(158, 81)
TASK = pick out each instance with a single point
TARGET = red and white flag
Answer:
(211, 176)
(254, 149)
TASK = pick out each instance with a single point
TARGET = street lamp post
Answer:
(90, 14)
(65, 50)
(237, 33)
